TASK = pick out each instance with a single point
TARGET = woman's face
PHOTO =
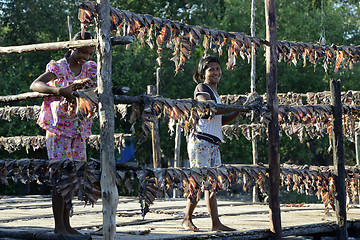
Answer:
(82, 55)
(213, 73)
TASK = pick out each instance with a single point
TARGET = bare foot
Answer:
(189, 225)
(72, 231)
(221, 227)
(60, 231)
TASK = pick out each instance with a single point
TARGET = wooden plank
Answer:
(109, 191)
(273, 129)
(62, 45)
(338, 158)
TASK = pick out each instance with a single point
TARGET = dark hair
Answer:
(87, 35)
(199, 74)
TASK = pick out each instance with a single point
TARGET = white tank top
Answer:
(214, 126)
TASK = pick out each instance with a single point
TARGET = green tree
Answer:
(299, 21)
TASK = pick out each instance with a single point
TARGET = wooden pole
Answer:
(338, 157)
(63, 45)
(357, 148)
(273, 129)
(177, 161)
(69, 27)
(109, 192)
(155, 135)
(253, 89)
(158, 81)
(357, 153)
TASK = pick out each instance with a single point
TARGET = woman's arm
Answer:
(229, 117)
(225, 118)
(39, 85)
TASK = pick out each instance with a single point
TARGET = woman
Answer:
(204, 141)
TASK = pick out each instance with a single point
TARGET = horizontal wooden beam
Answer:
(63, 45)
(41, 235)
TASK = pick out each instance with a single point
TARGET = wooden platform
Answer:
(34, 213)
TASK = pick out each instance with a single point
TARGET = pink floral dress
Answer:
(55, 119)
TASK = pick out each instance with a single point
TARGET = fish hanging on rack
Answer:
(183, 38)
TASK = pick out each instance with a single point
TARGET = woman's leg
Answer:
(77, 151)
(67, 221)
(58, 207)
(211, 204)
(187, 222)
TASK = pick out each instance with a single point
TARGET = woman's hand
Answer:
(67, 92)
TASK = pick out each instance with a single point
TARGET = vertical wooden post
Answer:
(69, 27)
(155, 135)
(177, 161)
(357, 148)
(158, 81)
(109, 192)
(253, 89)
(357, 153)
(338, 157)
(273, 128)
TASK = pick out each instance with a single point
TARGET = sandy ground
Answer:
(33, 213)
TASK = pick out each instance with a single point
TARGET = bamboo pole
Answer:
(63, 45)
(274, 149)
(109, 192)
(338, 157)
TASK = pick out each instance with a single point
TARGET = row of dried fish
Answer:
(12, 144)
(190, 182)
(185, 111)
(315, 121)
(32, 112)
(183, 39)
(74, 178)
(290, 98)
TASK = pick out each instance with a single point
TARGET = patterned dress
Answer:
(65, 134)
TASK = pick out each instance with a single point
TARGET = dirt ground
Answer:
(33, 213)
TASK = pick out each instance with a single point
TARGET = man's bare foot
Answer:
(221, 227)
(189, 225)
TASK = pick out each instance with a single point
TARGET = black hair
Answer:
(199, 74)
(78, 36)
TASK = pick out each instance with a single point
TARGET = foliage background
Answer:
(39, 21)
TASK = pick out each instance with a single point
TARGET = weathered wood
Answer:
(357, 153)
(155, 134)
(109, 191)
(22, 96)
(41, 235)
(177, 160)
(338, 158)
(274, 148)
(357, 148)
(69, 27)
(253, 89)
(63, 45)
(158, 81)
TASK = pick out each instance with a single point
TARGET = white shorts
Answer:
(203, 153)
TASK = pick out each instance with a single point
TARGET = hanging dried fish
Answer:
(183, 38)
